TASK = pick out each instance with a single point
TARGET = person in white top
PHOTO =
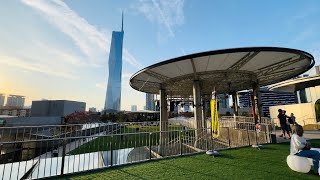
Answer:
(300, 147)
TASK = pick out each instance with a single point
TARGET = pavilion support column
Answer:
(256, 102)
(163, 121)
(204, 114)
(235, 103)
(197, 111)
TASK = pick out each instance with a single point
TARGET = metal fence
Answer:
(32, 152)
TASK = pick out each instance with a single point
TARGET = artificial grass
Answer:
(242, 163)
(127, 140)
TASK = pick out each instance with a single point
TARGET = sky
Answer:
(59, 49)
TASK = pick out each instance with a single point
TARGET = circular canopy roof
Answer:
(227, 70)
(293, 85)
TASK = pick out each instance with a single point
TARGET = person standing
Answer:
(283, 123)
(292, 119)
(288, 122)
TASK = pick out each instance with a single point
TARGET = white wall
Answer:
(304, 113)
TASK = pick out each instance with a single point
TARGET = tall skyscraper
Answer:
(113, 94)
(2, 98)
(150, 102)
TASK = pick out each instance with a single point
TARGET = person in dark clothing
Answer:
(283, 123)
(288, 122)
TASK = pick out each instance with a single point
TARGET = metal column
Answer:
(197, 110)
(163, 120)
(256, 104)
(204, 114)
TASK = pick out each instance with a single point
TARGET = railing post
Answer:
(248, 136)
(111, 151)
(63, 155)
(229, 137)
(180, 141)
(206, 134)
(256, 135)
(150, 155)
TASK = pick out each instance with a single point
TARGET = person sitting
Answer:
(300, 147)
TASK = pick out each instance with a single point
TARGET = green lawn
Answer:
(243, 163)
(127, 141)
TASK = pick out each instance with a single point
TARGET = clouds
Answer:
(92, 43)
(167, 13)
(35, 66)
(85, 36)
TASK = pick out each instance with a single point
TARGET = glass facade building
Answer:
(113, 94)
(268, 98)
(150, 105)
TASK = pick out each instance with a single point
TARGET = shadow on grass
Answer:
(227, 156)
(130, 174)
(268, 148)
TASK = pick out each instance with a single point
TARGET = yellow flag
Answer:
(214, 118)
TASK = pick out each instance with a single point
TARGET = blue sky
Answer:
(59, 49)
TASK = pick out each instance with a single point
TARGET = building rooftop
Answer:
(293, 85)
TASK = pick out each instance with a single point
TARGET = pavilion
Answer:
(226, 71)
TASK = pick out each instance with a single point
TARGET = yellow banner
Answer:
(214, 118)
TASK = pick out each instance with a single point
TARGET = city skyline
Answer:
(59, 49)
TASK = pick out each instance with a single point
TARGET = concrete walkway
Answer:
(307, 135)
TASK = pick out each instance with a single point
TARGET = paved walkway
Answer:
(307, 135)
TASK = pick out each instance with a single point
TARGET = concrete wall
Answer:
(72, 106)
(56, 108)
(314, 93)
(24, 121)
(304, 113)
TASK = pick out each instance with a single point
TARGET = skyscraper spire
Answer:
(122, 23)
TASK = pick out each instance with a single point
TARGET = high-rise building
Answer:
(2, 98)
(134, 108)
(113, 94)
(268, 98)
(15, 101)
(150, 105)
